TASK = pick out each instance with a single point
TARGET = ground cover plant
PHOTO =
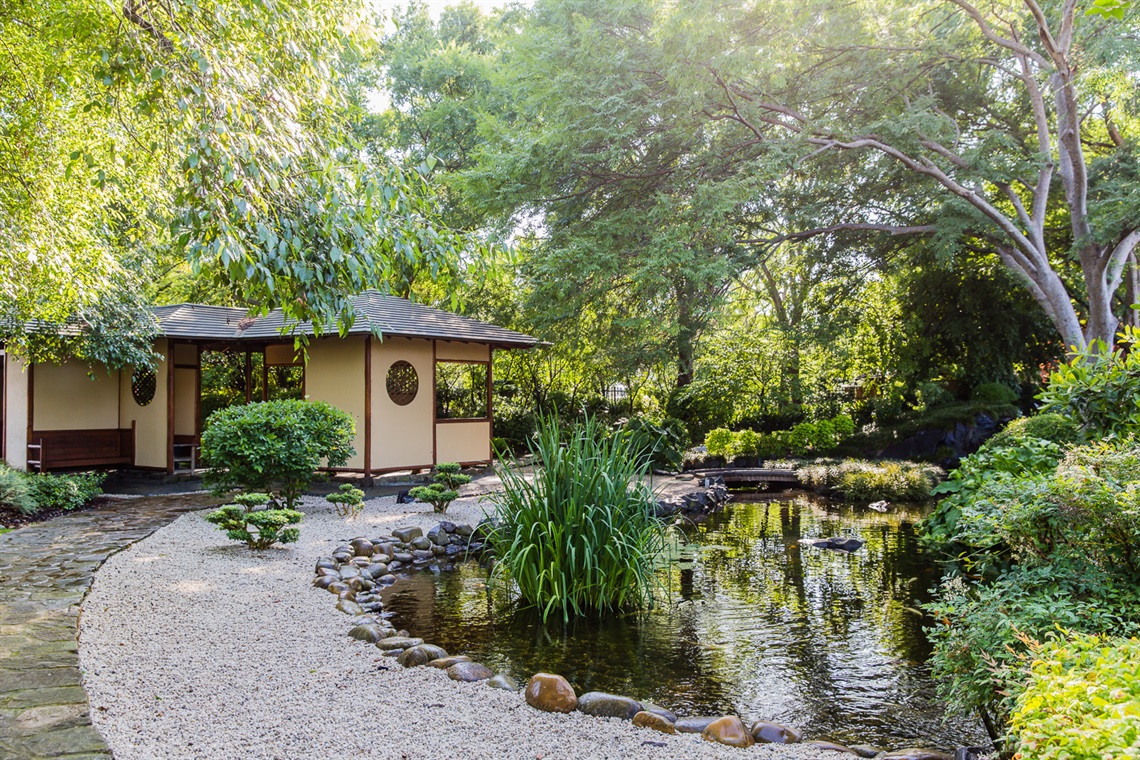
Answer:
(27, 494)
(249, 520)
(275, 445)
(862, 481)
(445, 488)
(583, 536)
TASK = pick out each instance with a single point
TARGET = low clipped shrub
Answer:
(1082, 700)
(67, 492)
(929, 395)
(15, 493)
(802, 439)
(718, 442)
(444, 490)
(583, 536)
(348, 500)
(275, 445)
(246, 520)
(1048, 427)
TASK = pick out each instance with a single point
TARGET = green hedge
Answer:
(805, 438)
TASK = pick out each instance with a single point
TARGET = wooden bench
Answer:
(63, 449)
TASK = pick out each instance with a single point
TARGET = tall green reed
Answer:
(582, 537)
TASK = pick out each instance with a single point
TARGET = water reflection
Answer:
(755, 624)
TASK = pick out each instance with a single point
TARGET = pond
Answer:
(755, 624)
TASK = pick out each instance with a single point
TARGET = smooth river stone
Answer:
(866, 750)
(831, 747)
(652, 720)
(398, 642)
(915, 753)
(404, 535)
(668, 715)
(773, 733)
(349, 607)
(551, 693)
(504, 682)
(336, 587)
(369, 632)
(362, 547)
(469, 671)
(324, 581)
(693, 725)
(443, 663)
(420, 655)
(728, 730)
(603, 705)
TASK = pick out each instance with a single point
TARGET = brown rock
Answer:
(420, 655)
(773, 733)
(443, 663)
(832, 747)
(693, 724)
(728, 730)
(603, 705)
(652, 720)
(552, 693)
(469, 671)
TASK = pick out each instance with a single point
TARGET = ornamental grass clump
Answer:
(583, 537)
(248, 521)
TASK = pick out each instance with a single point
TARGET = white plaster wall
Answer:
(402, 435)
(16, 421)
(150, 420)
(66, 398)
(463, 441)
(335, 374)
(185, 401)
(465, 352)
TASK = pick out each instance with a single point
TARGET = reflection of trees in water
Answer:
(759, 625)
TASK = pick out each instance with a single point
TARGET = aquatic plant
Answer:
(583, 536)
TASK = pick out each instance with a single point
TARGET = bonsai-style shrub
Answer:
(274, 444)
(348, 500)
(583, 536)
(258, 528)
(444, 490)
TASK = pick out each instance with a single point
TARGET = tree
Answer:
(217, 135)
(996, 108)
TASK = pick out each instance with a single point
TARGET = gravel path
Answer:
(191, 646)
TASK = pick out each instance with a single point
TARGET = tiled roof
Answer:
(375, 311)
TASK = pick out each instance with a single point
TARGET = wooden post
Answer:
(248, 376)
(490, 405)
(169, 407)
(264, 375)
(434, 425)
(368, 410)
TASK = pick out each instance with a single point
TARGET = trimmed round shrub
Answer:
(1048, 427)
(994, 393)
(275, 445)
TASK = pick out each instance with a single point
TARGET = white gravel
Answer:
(194, 647)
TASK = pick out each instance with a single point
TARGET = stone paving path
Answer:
(45, 571)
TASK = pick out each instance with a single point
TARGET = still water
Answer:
(754, 624)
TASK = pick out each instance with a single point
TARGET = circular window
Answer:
(402, 383)
(143, 383)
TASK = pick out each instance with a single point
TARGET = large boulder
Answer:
(551, 693)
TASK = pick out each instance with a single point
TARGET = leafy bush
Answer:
(660, 443)
(719, 442)
(1048, 427)
(863, 481)
(444, 490)
(1082, 701)
(257, 528)
(1052, 549)
(348, 500)
(583, 536)
(66, 492)
(275, 444)
(994, 393)
(1100, 389)
(929, 395)
(15, 493)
